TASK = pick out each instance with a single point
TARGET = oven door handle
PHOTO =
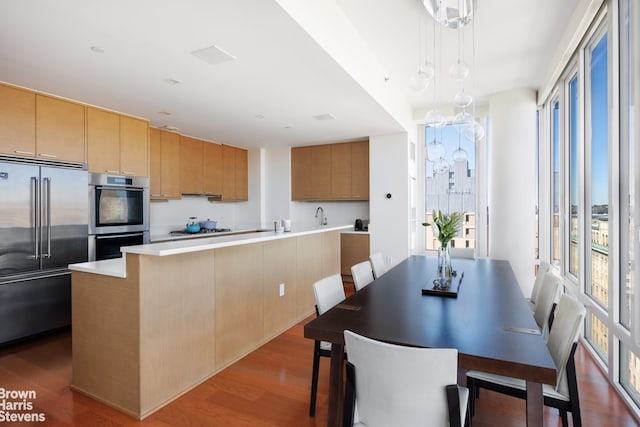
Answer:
(125, 188)
(117, 236)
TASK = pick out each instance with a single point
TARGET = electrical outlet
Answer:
(281, 289)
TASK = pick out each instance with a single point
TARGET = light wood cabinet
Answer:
(212, 168)
(234, 174)
(17, 121)
(191, 165)
(117, 144)
(330, 172)
(341, 171)
(300, 173)
(360, 170)
(134, 146)
(164, 182)
(60, 130)
(354, 248)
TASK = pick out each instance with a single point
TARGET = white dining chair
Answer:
(393, 385)
(543, 268)
(467, 253)
(547, 297)
(328, 292)
(377, 265)
(562, 344)
(362, 274)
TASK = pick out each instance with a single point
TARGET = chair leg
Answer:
(314, 378)
(473, 390)
(565, 421)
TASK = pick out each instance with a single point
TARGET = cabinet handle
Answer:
(23, 152)
(52, 156)
(128, 173)
(111, 171)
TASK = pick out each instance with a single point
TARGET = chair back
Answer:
(567, 324)
(377, 264)
(468, 253)
(328, 292)
(398, 385)
(362, 274)
(543, 268)
(548, 295)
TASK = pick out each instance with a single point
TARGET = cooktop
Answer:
(202, 231)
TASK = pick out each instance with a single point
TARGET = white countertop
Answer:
(117, 267)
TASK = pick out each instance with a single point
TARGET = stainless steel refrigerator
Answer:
(43, 229)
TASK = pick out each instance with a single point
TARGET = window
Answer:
(450, 181)
(555, 182)
(574, 236)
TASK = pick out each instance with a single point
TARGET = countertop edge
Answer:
(117, 267)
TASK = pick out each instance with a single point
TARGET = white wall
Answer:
(512, 183)
(389, 173)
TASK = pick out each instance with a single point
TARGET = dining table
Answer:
(487, 320)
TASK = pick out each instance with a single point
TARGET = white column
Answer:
(512, 195)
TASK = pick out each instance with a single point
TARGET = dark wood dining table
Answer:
(489, 323)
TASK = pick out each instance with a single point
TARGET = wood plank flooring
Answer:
(269, 387)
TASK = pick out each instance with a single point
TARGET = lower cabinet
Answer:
(354, 248)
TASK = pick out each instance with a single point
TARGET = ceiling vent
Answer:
(326, 116)
(213, 55)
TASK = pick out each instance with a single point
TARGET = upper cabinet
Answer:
(34, 125)
(234, 174)
(117, 144)
(212, 174)
(330, 172)
(191, 165)
(17, 121)
(164, 179)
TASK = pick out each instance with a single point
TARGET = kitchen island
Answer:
(167, 316)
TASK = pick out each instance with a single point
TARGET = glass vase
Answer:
(444, 266)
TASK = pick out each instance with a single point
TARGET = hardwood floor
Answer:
(269, 387)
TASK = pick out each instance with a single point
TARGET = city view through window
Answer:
(450, 182)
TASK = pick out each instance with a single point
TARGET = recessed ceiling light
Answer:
(326, 116)
(213, 55)
(171, 81)
(259, 116)
(169, 128)
(96, 49)
(288, 127)
(164, 113)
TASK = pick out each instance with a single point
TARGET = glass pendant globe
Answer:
(459, 70)
(474, 132)
(419, 81)
(462, 99)
(441, 166)
(463, 119)
(459, 155)
(429, 69)
(435, 119)
(435, 151)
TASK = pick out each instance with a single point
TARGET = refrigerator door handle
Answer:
(36, 216)
(47, 200)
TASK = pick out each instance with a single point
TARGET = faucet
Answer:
(323, 219)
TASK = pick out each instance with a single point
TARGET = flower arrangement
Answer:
(447, 226)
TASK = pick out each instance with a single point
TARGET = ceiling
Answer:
(280, 77)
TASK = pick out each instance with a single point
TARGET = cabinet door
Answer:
(212, 183)
(228, 173)
(17, 121)
(170, 164)
(103, 141)
(360, 170)
(155, 164)
(60, 129)
(191, 165)
(301, 173)
(134, 146)
(321, 172)
(341, 171)
(354, 248)
(242, 174)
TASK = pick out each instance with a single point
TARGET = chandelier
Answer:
(449, 15)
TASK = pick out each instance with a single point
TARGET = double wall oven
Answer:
(118, 214)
